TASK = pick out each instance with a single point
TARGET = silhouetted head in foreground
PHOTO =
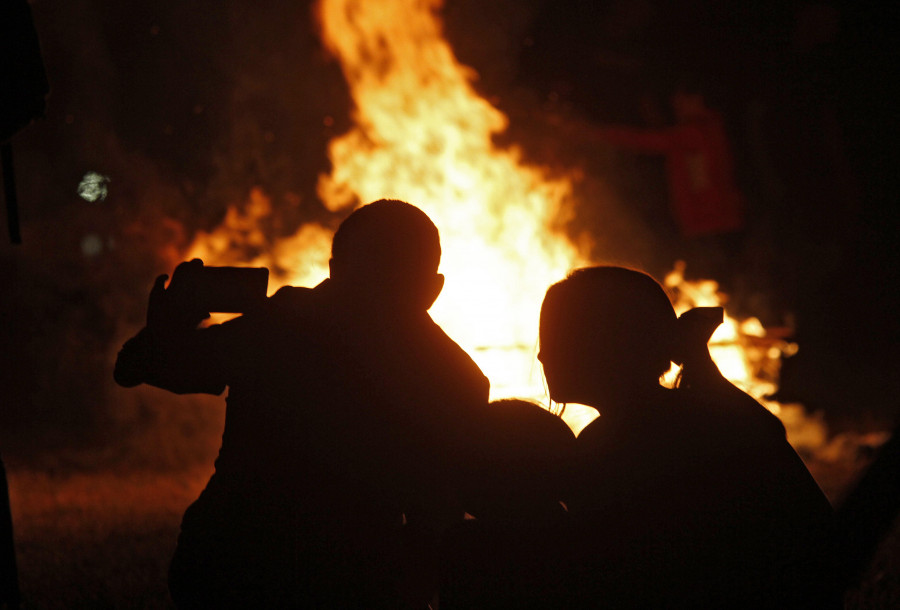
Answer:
(531, 451)
(387, 253)
(605, 333)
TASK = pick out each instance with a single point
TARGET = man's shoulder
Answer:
(283, 310)
(287, 295)
(293, 301)
(452, 360)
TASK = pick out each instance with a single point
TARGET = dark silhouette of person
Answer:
(509, 555)
(866, 515)
(699, 164)
(529, 452)
(685, 497)
(347, 431)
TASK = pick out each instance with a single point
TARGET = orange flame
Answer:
(747, 354)
(422, 134)
(750, 357)
(301, 259)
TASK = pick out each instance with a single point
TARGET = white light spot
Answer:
(93, 187)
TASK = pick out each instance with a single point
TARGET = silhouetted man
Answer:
(348, 426)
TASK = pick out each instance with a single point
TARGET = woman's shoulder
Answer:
(735, 415)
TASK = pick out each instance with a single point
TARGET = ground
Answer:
(104, 539)
(99, 540)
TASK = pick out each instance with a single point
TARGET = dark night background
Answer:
(187, 106)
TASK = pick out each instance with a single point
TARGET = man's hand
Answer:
(176, 307)
(695, 327)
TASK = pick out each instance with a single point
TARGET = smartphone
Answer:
(231, 289)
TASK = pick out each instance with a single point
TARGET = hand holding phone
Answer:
(231, 289)
(196, 290)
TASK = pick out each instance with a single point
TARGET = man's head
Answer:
(388, 252)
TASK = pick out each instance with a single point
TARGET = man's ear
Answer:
(432, 289)
(331, 268)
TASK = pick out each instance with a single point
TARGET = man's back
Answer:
(349, 413)
(338, 426)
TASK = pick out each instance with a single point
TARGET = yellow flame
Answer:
(422, 134)
(298, 260)
(742, 350)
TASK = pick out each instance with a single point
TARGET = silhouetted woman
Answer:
(687, 497)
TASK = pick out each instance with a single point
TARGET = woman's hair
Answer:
(611, 317)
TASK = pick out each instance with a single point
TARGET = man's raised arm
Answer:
(171, 352)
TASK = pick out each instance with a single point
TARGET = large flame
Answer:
(298, 260)
(422, 134)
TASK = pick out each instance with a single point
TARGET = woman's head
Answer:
(604, 328)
